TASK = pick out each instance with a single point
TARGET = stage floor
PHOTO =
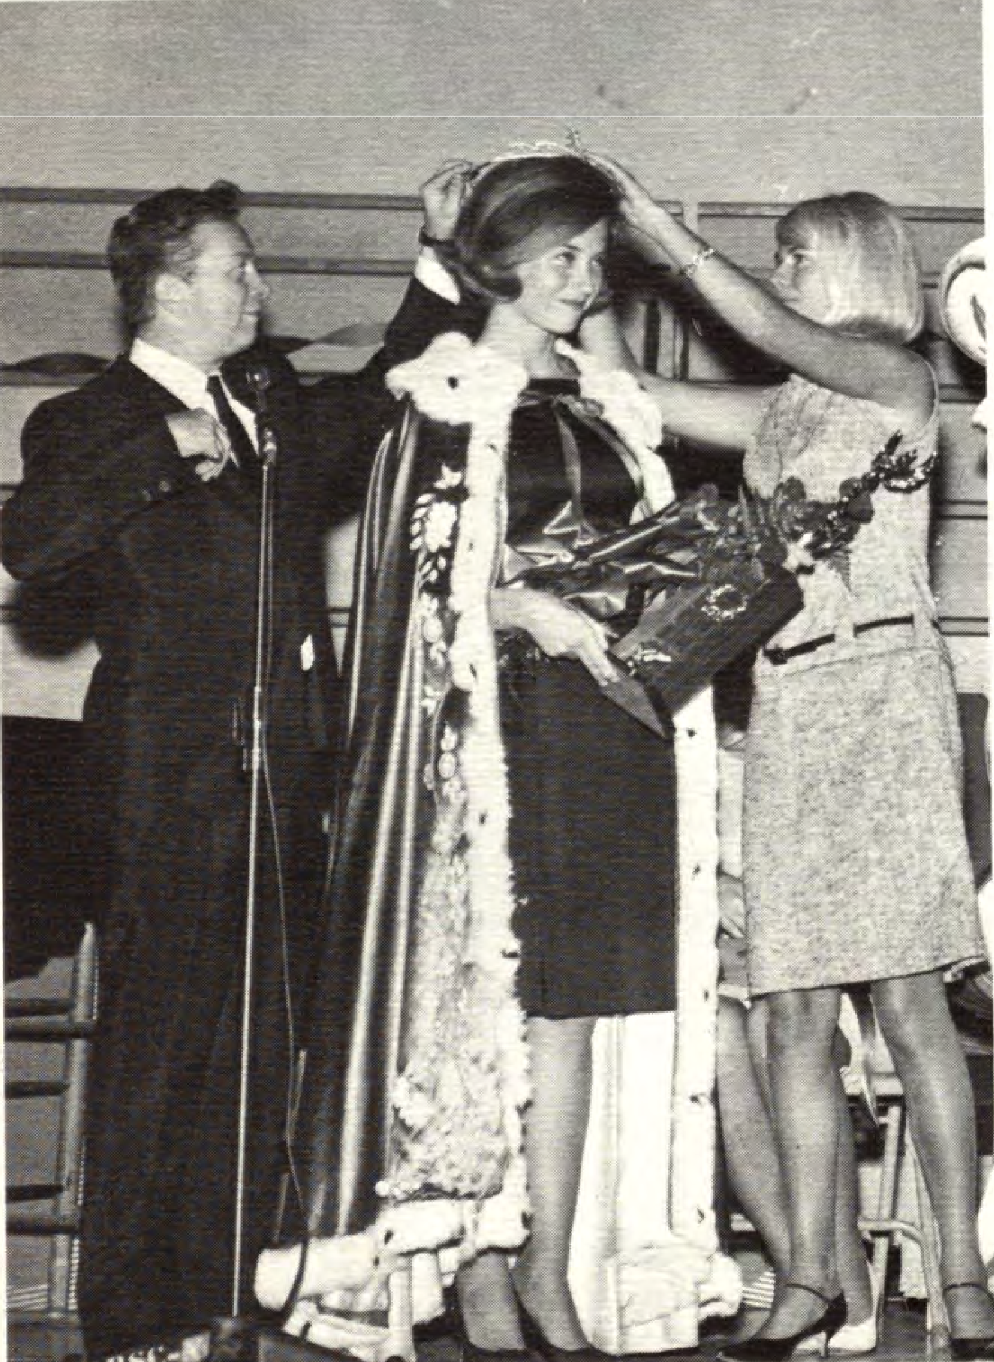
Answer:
(903, 1341)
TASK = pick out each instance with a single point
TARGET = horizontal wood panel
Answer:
(971, 663)
(962, 472)
(46, 312)
(313, 306)
(716, 355)
(42, 312)
(309, 232)
(746, 232)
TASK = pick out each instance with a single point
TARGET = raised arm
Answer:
(857, 366)
(348, 415)
(724, 416)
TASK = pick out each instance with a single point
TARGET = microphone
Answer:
(259, 381)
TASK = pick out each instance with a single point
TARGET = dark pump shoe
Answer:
(970, 1349)
(828, 1323)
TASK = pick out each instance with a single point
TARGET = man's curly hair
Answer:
(156, 237)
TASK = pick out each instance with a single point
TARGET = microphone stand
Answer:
(259, 379)
(237, 1339)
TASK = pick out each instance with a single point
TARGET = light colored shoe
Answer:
(852, 1340)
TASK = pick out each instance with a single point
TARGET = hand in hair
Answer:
(636, 206)
(443, 196)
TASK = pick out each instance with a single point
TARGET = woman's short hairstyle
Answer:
(156, 237)
(516, 211)
(872, 273)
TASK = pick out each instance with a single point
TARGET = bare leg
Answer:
(914, 1017)
(747, 1134)
(850, 1253)
(487, 1303)
(803, 1078)
(555, 1131)
(749, 1141)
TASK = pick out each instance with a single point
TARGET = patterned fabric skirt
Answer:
(856, 862)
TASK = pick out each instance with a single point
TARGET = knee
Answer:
(804, 1019)
(913, 1015)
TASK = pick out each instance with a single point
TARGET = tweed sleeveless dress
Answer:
(855, 859)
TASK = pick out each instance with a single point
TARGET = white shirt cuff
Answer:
(429, 271)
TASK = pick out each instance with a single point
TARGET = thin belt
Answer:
(778, 656)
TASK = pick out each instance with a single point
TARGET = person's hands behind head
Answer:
(199, 436)
(443, 196)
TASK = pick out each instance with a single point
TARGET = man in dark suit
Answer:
(147, 478)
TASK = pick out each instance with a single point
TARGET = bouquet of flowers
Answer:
(691, 588)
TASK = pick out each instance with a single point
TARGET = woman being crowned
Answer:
(495, 1087)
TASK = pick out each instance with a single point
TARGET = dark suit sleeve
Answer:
(87, 469)
(350, 413)
(423, 315)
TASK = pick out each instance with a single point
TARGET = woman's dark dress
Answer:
(593, 826)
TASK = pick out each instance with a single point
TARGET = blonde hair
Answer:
(871, 272)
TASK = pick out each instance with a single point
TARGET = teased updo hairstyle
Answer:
(519, 209)
(872, 274)
(156, 238)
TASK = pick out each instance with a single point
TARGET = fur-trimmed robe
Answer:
(409, 1141)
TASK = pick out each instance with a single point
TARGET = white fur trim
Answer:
(693, 1145)
(345, 1263)
(630, 411)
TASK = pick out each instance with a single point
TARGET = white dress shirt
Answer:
(186, 382)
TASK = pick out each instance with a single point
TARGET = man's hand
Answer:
(443, 197)
(200, 436)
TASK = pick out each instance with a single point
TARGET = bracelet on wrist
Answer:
(426, 239)
(692, 266)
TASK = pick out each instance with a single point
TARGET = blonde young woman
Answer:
(856, 866)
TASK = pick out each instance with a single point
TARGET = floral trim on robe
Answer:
(452, 1181)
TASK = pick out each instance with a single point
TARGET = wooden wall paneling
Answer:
(344, 308)
(45, 637)
(56, 310)
(314, 227)
(962, 472)
(959, 567)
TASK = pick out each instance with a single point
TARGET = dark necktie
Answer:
(244, 450)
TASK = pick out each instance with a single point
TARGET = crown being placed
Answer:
(518, 151)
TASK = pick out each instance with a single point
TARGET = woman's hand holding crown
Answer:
(640, 213)
(442, 197)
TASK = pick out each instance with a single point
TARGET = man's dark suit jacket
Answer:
(173, 566)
